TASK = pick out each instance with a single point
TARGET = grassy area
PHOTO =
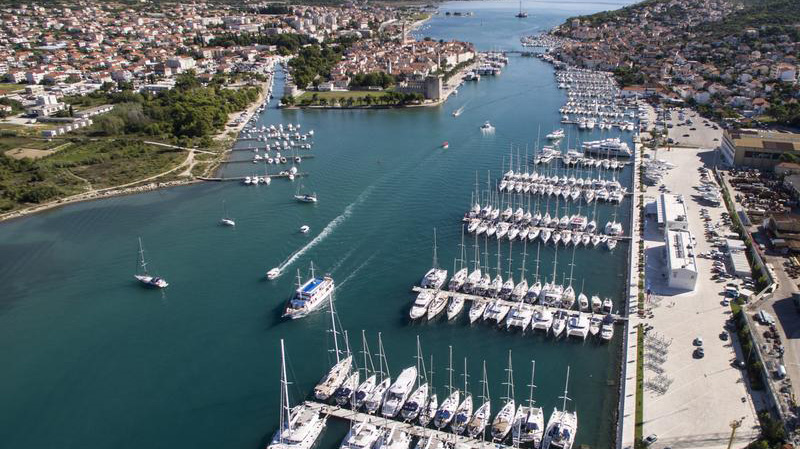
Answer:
(8, 87)
(354, 94)
(103, 163)
(638, 429)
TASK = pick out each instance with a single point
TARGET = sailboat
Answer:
(460, 276)
(375, 398)
(529, 425)
(446, 412)
(334, 378)
(393, 438)
(419, 398)
(464, 411)
(562, 425)
(305, 197)
(501, 425)
(368, 385)
(435, 277)
(521, 14)
(226, 220)
(477, 425)
(299, 427)
(363, 435)
(429, 412)
(145, 278)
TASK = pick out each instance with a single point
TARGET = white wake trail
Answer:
(326, 231)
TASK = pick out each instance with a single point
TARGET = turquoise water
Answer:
(93, 360)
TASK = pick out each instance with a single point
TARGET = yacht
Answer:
(375, 398)
(561, 427)
(145, 278)
(455, 307)
(479, 421)
(346, 391)
(429, 412)
(501, 425)
(309, 295)
(578, 325)
(556, 135)
(607, 328)
(463, 415)
(398, 393)
(608, 305)
(415, 404)
(435, 277)
(458, 280)
(446, 412)
(306, 197)
(487, 126)
(393, 438)
(542, 318)
(420, 307)
(528, 427)
(519, 316)
(362, 435)
(612, 147)
(437, 305)
(304, 229)
(299, 427)
(477, 310)
(496, 311)
(363, 391)
(594, 324)
(333, 379)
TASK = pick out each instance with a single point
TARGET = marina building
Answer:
(757, 148)
(681, 262)
(671, 212)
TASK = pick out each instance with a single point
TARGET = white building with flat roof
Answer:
(681, 262)
(672, 212)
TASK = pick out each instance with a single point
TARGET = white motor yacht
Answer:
(607, 328)
(420, 307)
(398, 393)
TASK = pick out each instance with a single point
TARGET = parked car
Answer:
(650, 439)
(698, 341)
(699, 353)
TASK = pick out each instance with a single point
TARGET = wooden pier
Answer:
(261, 162)
(458, 441)
(485, 299)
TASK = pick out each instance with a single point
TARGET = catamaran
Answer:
(309, 295)
(435, 277)
(145, 278)
(562, 425)
(363, 435)
(299, 427)
(529, 424)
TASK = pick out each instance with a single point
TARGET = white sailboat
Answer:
(419, 398)
(226, 220)
(480, 419)
(446, 412)
(464, 411)
(362, 435)
(375, 398)
(502, 423)
(299, 427)
(145, 278)
(334, 378)
(427, 414)
(368, 385)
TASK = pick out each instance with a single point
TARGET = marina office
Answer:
(679, 250)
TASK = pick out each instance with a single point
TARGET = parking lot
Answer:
(687, 128)
(692, 395)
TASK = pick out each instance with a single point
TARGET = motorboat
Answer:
(420, 307)
(596, 303)
(304, 229)
(559, 323)
(595, 322)
(487, 127)
(309, 295)
(607, 328)
(273, 273)
(398, 393)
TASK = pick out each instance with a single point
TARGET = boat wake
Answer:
(329, 228)
(355, 272)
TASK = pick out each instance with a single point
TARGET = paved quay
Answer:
(690, 402)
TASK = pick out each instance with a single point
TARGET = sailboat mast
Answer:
(565, 397)
(365, 350)
(510, 380)
(532, 385)
(466, 376)
(333, 324)
(142, 263)
(450, 371)
(435, 259)
(285, 411)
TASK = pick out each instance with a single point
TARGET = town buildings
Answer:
(757, 148)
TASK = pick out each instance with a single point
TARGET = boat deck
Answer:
(412, 429)
(478, 298)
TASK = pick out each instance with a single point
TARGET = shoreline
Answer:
(146, 184)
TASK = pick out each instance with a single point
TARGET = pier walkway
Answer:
(478, 298)
(261, 162)
(241, 178)
(411, 429)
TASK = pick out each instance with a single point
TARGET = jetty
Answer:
(411, 429)
(251, 161)
(242, 178)
(486, 299)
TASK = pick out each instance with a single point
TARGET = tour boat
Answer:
(309, 295)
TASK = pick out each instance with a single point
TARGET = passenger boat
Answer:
(309, 295)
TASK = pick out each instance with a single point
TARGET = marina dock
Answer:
(241, 178)
(250, 161)
(478, 298)
(459, 441)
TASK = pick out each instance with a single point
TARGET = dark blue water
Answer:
(93, 360)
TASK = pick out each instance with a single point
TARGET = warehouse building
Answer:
(681, 262)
